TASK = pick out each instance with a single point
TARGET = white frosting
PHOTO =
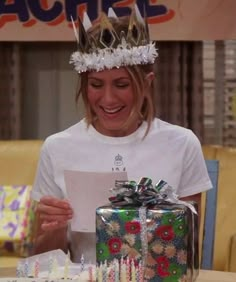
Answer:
(74, 273)
(14, 279)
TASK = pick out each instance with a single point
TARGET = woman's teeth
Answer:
(112, 111)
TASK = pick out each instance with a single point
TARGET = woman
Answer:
(117, 90)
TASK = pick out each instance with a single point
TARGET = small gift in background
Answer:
(149, 224)
(16, 220)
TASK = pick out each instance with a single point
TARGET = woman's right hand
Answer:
(53, 213)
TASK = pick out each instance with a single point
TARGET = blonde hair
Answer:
(144, 102)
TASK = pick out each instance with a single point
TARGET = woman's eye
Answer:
(122, 85)
(96, 85)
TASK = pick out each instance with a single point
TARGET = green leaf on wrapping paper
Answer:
(102, 251)
(180, 228)
(176, 271)
(127, 215)
(179, 223)
(168, 218)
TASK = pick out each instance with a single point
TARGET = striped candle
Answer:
(19, 271)
(36, 268)
(123, 272)
(117, 271)
(99, 277)
(26, 269)
(133, 271)
(128, 269)
(90, 270)
(112, 273)
(82, 262)
(104, 271)
(140, 272)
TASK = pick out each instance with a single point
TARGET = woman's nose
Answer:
(108, 95)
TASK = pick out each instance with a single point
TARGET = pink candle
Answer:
(128, 269)
(112, 273)
(36, 269)
(90, 273)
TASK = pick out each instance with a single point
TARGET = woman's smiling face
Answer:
(111, 97)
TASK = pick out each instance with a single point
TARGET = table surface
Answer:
(204, 275)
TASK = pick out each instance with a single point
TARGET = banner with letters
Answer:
(50, 20)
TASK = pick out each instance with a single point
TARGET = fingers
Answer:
(54, 213)
(55, 217)
(50, 205)
(57, 203)
(50, 226)
(53, 210)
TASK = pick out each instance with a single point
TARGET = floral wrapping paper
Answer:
(16, 220)
(169, 233)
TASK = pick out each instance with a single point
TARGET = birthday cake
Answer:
(53, 266)
(74, 273)
(56, 266)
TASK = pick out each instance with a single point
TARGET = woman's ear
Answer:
(149, 77)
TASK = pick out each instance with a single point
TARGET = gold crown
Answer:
(112, 49)
(136, 35)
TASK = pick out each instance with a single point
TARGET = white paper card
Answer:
(87, 191)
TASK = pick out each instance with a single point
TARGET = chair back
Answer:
(18, 161)
(210, 216)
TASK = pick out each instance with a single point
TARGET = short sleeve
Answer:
(194, 178)
(44, 184)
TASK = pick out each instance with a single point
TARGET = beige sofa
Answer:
(18, 162)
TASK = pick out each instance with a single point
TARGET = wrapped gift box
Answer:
(163, 236)
(16, 220)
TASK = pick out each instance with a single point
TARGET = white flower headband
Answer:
(113, 50)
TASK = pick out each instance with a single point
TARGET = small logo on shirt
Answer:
(118, 160)
(118, 164)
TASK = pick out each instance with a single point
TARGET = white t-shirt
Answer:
(168, 152)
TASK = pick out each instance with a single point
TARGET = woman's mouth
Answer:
(112, 110)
